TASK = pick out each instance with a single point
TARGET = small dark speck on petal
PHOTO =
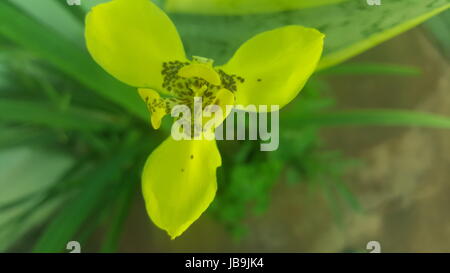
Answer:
(259, 80)
(182, 170)
(192, 156)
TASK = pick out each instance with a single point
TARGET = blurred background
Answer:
(363, 156)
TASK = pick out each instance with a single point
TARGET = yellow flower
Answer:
(137, 43)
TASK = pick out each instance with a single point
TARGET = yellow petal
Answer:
(275, 65)
(179, 182)
(155, 104)
(131, 39)
(216, 112)
(225, 100)
(203, 71)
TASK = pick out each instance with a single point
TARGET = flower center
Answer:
(198, 78)
(186, 81)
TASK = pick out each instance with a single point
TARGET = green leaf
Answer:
(371, 69)
(87, 5)
(27, 217)
(14, 136)
(439, 27)
(246, 185)
(65, 225)
(54, 15)
(25, 171)
(350, 27)
(372, 25)
(66, 56)
(241, 7)
(121, 208)
(42, 114)
(374, 117)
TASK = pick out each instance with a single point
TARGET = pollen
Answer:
(197, 78)
(185, 81)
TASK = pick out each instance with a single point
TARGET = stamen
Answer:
(186, 80)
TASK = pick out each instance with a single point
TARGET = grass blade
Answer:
(123, 204)
(38, 113)
(373, 117)
(65, 225)
(371, 69)
(55, 16)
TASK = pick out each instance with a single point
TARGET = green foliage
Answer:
(351, 27)
(73, 140)
(26, 177)
(370, 69)
(99, 183)
(439, 27)
(67, 57)
(245, 182)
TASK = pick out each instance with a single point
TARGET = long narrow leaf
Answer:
(41, 114)
(351, 27)
(54, 15)
(65, 225)
(371, 69)
(376, 117)
(24, 172)
(241, 7)
(121, 207)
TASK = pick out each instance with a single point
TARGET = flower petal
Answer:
(216, 112)
(179, 182)
(275, 65)
(155, 105)
(204, 71)
(131, 39)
